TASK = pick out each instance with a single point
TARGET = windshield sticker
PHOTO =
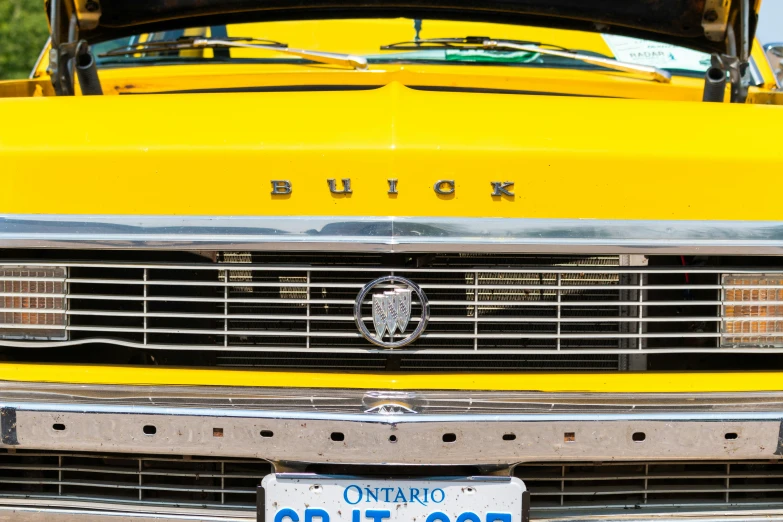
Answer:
(657, 54)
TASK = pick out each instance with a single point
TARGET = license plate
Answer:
(328, 498)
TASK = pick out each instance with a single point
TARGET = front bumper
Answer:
(295, 428)
(338, 426)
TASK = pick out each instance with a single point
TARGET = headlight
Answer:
(33, 302)
(752, 310)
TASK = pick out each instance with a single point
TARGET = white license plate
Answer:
(322, 498)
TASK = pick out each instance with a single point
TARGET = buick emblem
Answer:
(391, 311)
(391, 301)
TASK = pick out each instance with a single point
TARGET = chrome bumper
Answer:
(381, 439)
(376, 427)
(292, 428)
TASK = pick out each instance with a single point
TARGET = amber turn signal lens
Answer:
(752, 310)
(33, 302)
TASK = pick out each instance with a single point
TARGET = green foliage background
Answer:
(23, 33)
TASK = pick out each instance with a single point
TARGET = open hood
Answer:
(706, 25)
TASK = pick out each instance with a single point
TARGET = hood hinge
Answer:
(737, 61)
(69, 53)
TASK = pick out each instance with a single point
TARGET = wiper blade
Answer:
(646, 72)
(467, 42)
(348, 60)
(183, 43)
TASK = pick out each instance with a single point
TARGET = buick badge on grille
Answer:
(392, 305)
(391, 310)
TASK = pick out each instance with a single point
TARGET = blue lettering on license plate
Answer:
(379, 515)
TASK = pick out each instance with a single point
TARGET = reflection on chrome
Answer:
(392, 234)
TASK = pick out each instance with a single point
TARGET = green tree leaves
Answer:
(23, 33)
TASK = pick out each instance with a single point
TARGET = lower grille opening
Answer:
(595, 488)
(213, 484)
(178, 481)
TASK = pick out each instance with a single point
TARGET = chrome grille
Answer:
(211, 485)
(131, 479)
(285, 310)
(608, 486)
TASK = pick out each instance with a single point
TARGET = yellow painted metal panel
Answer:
(761, 97)
(644, 382)
(545, 81)
(26, 88)
(208, 154)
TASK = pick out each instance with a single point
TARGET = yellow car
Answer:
(432, 261)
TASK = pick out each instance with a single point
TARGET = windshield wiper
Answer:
(467, 42)
(348, 60)
(646, 72)
(182, 43)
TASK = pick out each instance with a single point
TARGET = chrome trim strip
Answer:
(394, 420)
(390, 234)
(360, 401)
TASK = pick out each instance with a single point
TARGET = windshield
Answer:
(368, 37)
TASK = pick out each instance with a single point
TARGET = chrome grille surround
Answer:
(481, 305)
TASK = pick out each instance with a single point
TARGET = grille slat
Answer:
(292, 333)
(532, 319)
(547, 289)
